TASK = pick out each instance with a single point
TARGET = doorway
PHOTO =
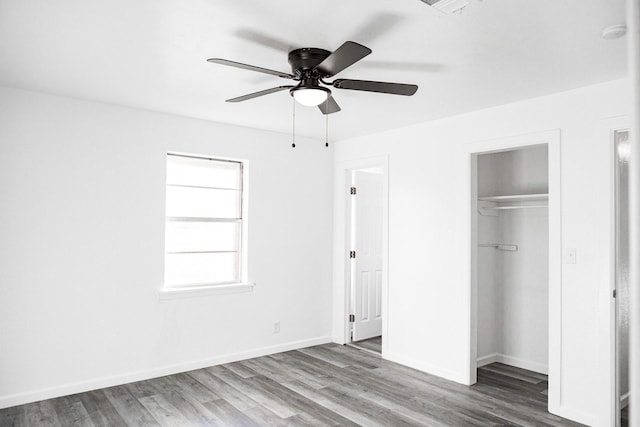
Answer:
(366, 257)
(621, 289)
(515, 261)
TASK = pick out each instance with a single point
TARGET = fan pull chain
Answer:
(326, 126)
(293, 132)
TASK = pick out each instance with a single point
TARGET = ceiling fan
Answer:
(310, 67)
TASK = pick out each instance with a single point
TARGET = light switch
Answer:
(571, 256)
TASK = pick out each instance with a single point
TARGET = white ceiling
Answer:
(151, 54)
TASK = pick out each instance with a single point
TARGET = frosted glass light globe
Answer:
(310, 97)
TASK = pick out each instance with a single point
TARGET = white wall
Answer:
(428, 295)
(513, 286)
(81, 247)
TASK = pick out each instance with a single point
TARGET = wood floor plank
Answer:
(305, 420)
(302, 404)
(328, 385)
(193, 388)
(512, 384)
(373, 344)
(239, 369)
(498, 369)
(231, 395)
(393, 395)
(506, 368)
(265, 417)
(361, 356)
(340, 358)
(266, 399)
(141, 389)
(184, 394)
(436, 416)
(42, 413)
(321, 354)
(191, 408)
(129, 408)
(13, 416)
(71, 412)
(357, 410)
(511, 406)
(229, 414)
(164, 412)
(318, 369)
(298, 372)
(261, 367)
(100, 409)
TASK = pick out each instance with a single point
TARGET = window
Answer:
(204, 222)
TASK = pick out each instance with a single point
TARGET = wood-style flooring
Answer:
(373, 344)
(330, 385)
(624, 417)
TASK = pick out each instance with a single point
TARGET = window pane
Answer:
(202, 172)
(194, 269)
(201, 236)
(203, 202)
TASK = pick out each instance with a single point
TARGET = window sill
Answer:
(196, 291)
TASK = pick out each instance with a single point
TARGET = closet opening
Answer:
(511, 245)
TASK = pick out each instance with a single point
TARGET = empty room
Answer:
(373, 213)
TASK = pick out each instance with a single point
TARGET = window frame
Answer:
(167, 291)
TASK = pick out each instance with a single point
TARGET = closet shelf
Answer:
(499, 208)
(516, 198)
(491, 205)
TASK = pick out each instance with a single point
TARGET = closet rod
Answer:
(515, 207)
(499, 247)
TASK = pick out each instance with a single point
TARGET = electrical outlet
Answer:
(276, 327)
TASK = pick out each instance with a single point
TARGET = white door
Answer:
(366, 267)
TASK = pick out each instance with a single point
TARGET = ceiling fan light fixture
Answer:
(310, 96)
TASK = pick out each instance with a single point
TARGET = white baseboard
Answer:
(428, 368)
(487, 360)
(513, 361)
(94, 384)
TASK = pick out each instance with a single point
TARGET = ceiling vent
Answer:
(447, 6)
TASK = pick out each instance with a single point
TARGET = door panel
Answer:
(367, 265)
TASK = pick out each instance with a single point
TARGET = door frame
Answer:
(342, 231)
(607, 334)
(552, 139)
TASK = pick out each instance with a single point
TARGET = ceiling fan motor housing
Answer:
(304, 61)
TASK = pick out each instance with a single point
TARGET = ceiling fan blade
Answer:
(330, 106)
(257, 94)
(249, 67)
(381, 87)
(346, 55)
